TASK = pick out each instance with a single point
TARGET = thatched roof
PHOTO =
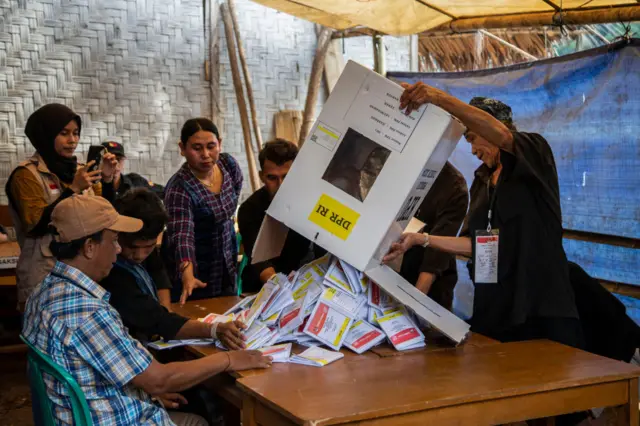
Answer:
(469, 51)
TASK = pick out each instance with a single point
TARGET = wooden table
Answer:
(479, 383)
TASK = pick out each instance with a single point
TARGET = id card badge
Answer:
(486, 257)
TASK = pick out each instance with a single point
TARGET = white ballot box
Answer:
(358, 180)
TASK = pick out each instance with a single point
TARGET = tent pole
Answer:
(379, 60)
(315, 78)
(242, 103)
(509, 45)
(247, 76)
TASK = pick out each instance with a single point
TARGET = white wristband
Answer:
(214, 328)
(426, 239)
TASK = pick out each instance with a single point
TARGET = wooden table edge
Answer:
(429, 405)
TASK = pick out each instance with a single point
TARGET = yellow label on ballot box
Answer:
(334, 217)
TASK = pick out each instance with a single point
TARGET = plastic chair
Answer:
(242, 265)
(37, 363)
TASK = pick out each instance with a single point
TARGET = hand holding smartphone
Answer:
(96, 152)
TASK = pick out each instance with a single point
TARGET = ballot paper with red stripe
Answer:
(216, 318)
(328, 324)
(362, 336)
(401, 330)
(278, 353)
(292, 316)
(378, 298)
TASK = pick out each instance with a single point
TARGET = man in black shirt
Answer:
(432, 271)
(522, 286)
(124, 182)
(275, 159)
(138, 279)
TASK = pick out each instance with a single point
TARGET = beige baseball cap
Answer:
(82, 215)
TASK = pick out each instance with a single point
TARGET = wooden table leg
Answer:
(632, 405)
(248, 411)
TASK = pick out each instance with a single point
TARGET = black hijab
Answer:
(42, 128)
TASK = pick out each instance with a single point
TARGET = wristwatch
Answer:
(426, 239)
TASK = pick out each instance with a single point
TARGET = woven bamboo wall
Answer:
(279, 50)
(133, 69)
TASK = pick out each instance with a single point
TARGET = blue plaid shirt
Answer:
(68, 317)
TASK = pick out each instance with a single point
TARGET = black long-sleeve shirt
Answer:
(442, 211)
(141, 313)
(296, 247)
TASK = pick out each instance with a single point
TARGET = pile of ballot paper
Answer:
(327, 302)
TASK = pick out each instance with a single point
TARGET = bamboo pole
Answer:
(214, 66)
(509, 45)
(584, 16)
(599, 15)
(315, 78)
(247, 76)
(242, 104)
(379, 55)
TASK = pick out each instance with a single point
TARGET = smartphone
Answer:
(95, 154)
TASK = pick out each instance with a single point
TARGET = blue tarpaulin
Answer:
(587, 105)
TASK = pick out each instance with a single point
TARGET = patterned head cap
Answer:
(499, 110)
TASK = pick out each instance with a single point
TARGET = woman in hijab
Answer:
(39, 183)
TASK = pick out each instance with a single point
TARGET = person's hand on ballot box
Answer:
(400, 247)
(230, 334)
(416, 95)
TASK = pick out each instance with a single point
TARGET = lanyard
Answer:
(493, 199)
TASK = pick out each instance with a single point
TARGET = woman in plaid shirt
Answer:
(201, 199)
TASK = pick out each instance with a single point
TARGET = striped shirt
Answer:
(68, 317)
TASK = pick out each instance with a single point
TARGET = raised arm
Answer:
(476, 120)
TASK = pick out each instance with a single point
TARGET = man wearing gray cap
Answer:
(68, 317)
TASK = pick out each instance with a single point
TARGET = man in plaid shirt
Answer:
(68, 317)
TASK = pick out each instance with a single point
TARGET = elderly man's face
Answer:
(487, 153)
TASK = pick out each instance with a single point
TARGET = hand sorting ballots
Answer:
(230, 333)
(248, 360)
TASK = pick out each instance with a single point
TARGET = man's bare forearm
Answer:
(193, 329)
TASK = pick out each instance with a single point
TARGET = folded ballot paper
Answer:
(170, 344)
(402, 332)
(362, 336)
(312, 310)
(332, 317)
(316, 357)
(278, 353)
(353, 189)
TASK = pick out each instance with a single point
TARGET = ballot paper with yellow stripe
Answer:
(357, 181)
(332, 317)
